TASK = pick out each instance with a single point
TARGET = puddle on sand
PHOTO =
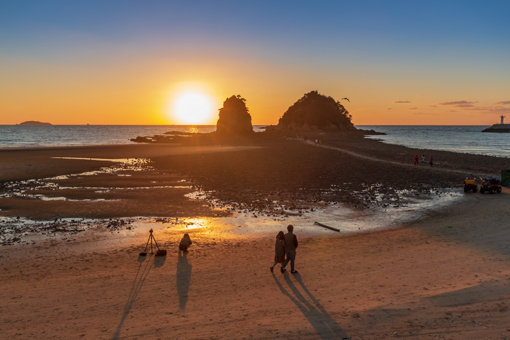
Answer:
(243, 222)
(115, 160)
(20, 189)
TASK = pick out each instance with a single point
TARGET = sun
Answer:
(192, 107)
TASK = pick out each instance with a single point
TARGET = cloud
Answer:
(460, 103)
(421, 113)
(402, 102)
(500, 110)
(504, 102)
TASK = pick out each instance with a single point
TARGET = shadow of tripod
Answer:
(136, 287)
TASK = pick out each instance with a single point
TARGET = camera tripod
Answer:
(159, 252)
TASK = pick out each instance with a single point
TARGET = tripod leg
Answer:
(157, 246)
(147, 244)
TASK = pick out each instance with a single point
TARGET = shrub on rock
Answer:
(316, 111)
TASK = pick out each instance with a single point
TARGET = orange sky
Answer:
(140, 91)
(99, 65)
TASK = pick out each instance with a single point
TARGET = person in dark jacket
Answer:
(291, 244)
(185, 243)
(279, 250)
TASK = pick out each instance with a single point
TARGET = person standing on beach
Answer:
(279, 250)
(431, 162)
(291, 244)
(416, 159)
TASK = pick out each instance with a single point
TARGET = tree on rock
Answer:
(234, 118)
(315, 110)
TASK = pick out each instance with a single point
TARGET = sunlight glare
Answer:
(192, 107)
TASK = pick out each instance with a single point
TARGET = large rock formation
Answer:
(316, 111)
(234, 119)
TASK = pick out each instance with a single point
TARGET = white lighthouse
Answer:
(502, 119)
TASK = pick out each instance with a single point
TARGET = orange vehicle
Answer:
(470, 184)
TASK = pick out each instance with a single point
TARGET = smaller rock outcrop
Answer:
(234, 118)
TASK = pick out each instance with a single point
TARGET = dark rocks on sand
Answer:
(234, 119)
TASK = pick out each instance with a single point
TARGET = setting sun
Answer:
(192, 107)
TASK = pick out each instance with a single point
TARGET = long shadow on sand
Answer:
(136, 287)
(183, 278)
(325, 326)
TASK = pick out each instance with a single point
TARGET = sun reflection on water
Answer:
(192, 224)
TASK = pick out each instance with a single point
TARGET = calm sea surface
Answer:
(59, 135)
(467, 139)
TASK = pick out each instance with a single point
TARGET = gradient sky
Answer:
(120, 62)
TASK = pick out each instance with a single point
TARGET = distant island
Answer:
(34, 122)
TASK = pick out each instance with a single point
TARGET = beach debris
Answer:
(326, 226)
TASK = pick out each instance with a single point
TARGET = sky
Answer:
(127, 62)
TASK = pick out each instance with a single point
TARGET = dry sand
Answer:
(444, 276)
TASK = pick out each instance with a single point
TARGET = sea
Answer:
(462, 138)
(457, 138)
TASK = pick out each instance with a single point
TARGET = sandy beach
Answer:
(445, 275)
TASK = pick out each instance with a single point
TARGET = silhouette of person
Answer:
(422, 160)
(185, 243)
(291, 243)
(279, 250)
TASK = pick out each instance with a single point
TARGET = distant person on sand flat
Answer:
(279, 250)
(185, 243)
(291, 244)
(422, 160)
(416, 160)
(431, 162)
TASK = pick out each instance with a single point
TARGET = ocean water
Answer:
(464, 139)
(61, 135)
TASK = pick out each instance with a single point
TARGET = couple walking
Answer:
(285, 246)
